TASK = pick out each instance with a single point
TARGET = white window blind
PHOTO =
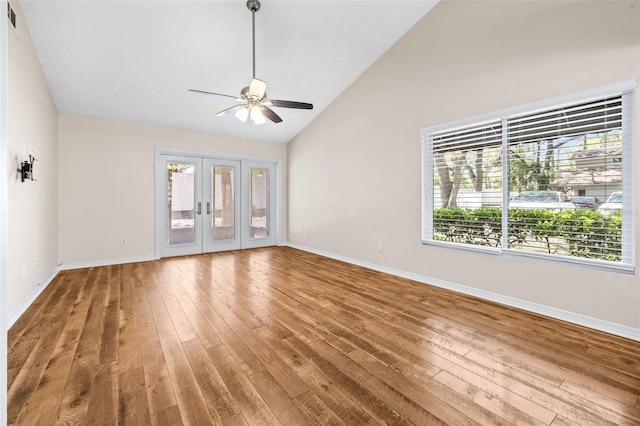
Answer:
(467, 172)
(554, 182)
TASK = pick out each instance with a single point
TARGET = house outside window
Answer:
(551, 180)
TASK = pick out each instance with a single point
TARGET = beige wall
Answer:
(107, 179)
(3, 222)
(355, 171)
(32, 206)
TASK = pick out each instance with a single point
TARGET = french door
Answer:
(212, 204)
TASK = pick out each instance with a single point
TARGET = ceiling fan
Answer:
(255, 103)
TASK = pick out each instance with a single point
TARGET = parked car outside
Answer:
(585, 202)
(548, 200)
(613, 205)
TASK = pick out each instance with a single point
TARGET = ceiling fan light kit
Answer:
(253, 98)
(242, 114)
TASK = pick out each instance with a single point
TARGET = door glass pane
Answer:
(259, 203)
(223, 225)
(181, 191)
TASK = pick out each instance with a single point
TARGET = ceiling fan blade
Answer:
(290, 104)
(257, 88)
(270, 114)
(211, 93)
(230, 110)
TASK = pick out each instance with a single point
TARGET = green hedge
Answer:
(579, 232)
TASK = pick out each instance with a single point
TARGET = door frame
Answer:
(195, 246)
(208, 244)
(246, 181)
(160, 175)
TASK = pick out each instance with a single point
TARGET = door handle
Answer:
(208, 208)
(199, 208)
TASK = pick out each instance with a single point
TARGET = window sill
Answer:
(599, 265)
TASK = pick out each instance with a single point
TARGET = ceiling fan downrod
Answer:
(253, 6)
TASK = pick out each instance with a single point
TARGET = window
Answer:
(552, 180)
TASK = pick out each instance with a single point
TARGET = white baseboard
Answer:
(95, 263)
(22, 307)
(31, 297)
(572, 317)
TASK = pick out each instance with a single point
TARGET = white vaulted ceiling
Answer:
(135, 60)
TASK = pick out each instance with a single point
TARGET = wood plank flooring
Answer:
(280, 336)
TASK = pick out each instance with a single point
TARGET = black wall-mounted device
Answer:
(26, 169)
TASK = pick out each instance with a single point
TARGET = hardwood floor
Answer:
(280, 336)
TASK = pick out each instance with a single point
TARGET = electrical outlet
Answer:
(38, 263)
(379, 246)
(123, 241)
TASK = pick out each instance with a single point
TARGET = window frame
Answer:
(626, 89)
